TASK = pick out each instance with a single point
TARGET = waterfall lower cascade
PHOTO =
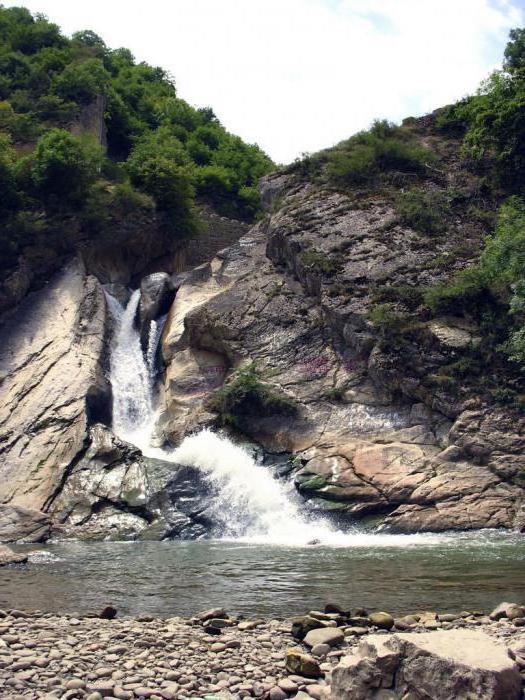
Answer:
(249, 505)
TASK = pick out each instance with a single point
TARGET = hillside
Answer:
(95, 147)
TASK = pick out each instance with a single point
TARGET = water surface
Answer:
(395, 573)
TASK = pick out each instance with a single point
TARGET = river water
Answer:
(444, 573)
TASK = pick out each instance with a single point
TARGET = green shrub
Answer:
(411, 297)
(395, 328)
(365, 156)
(319, 261)
(466, 292)
(423, 211)
(246, 394)
(63, 166)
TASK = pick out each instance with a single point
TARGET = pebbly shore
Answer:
(210, 655)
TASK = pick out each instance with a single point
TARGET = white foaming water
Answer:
(250, 505)
(131, 378)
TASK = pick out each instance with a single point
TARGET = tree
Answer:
(515, 51)
(88, 38)
(63, 166)
(82, 82)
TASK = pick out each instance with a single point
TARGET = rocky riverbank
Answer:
(212, 654)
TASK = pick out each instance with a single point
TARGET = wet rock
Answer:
(18, 524)
(514, 611)
(156, 295)
(108, 613)
(440, 665)
(302, 625)
(303, 664)
(219, 613)
(500, 611)
(7, 556)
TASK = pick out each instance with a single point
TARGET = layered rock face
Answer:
(52, 384)
(371, 437)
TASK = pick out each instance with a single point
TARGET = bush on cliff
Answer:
(247, 394)
(497, 282)
(367, 155)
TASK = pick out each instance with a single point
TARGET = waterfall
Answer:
(131, 377)
(249, 505)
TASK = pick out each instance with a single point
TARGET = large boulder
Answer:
(156, 295)
(52, 384)
(114, 492)
(439, 665)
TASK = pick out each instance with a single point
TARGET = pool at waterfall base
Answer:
(450, 572)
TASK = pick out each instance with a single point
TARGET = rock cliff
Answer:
(372, 435)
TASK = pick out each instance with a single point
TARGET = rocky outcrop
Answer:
(52, 385)
(114, 492)
(371, 436)
(438, 665)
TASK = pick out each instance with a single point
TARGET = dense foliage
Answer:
(157, 144)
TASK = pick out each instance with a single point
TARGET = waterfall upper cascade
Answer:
(250, 504)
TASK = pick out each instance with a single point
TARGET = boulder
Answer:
(302, 664)
(438, 665)
(302, 625)
(382, 620)
(7, 556)
(156, 295)
(19, 524)
(327, 635)
(500, 611)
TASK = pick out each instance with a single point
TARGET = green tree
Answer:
(82, 82)
(63, 166)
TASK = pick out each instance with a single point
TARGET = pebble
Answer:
(54, 657)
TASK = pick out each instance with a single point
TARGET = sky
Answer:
(296, 76)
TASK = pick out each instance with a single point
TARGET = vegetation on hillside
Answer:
(162, 154)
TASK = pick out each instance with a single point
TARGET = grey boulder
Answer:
(440, 665)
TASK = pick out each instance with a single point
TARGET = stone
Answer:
(108, 613)
(320, 650)
(277, 693)
(288, 686)
(210, 614)
(302, 625)
(7, 556)
(382, 620)
(50, 358)
(330, 635)
(303, 664)
(438, 665)
(500, 611)
(337, 609)
(514, 611)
